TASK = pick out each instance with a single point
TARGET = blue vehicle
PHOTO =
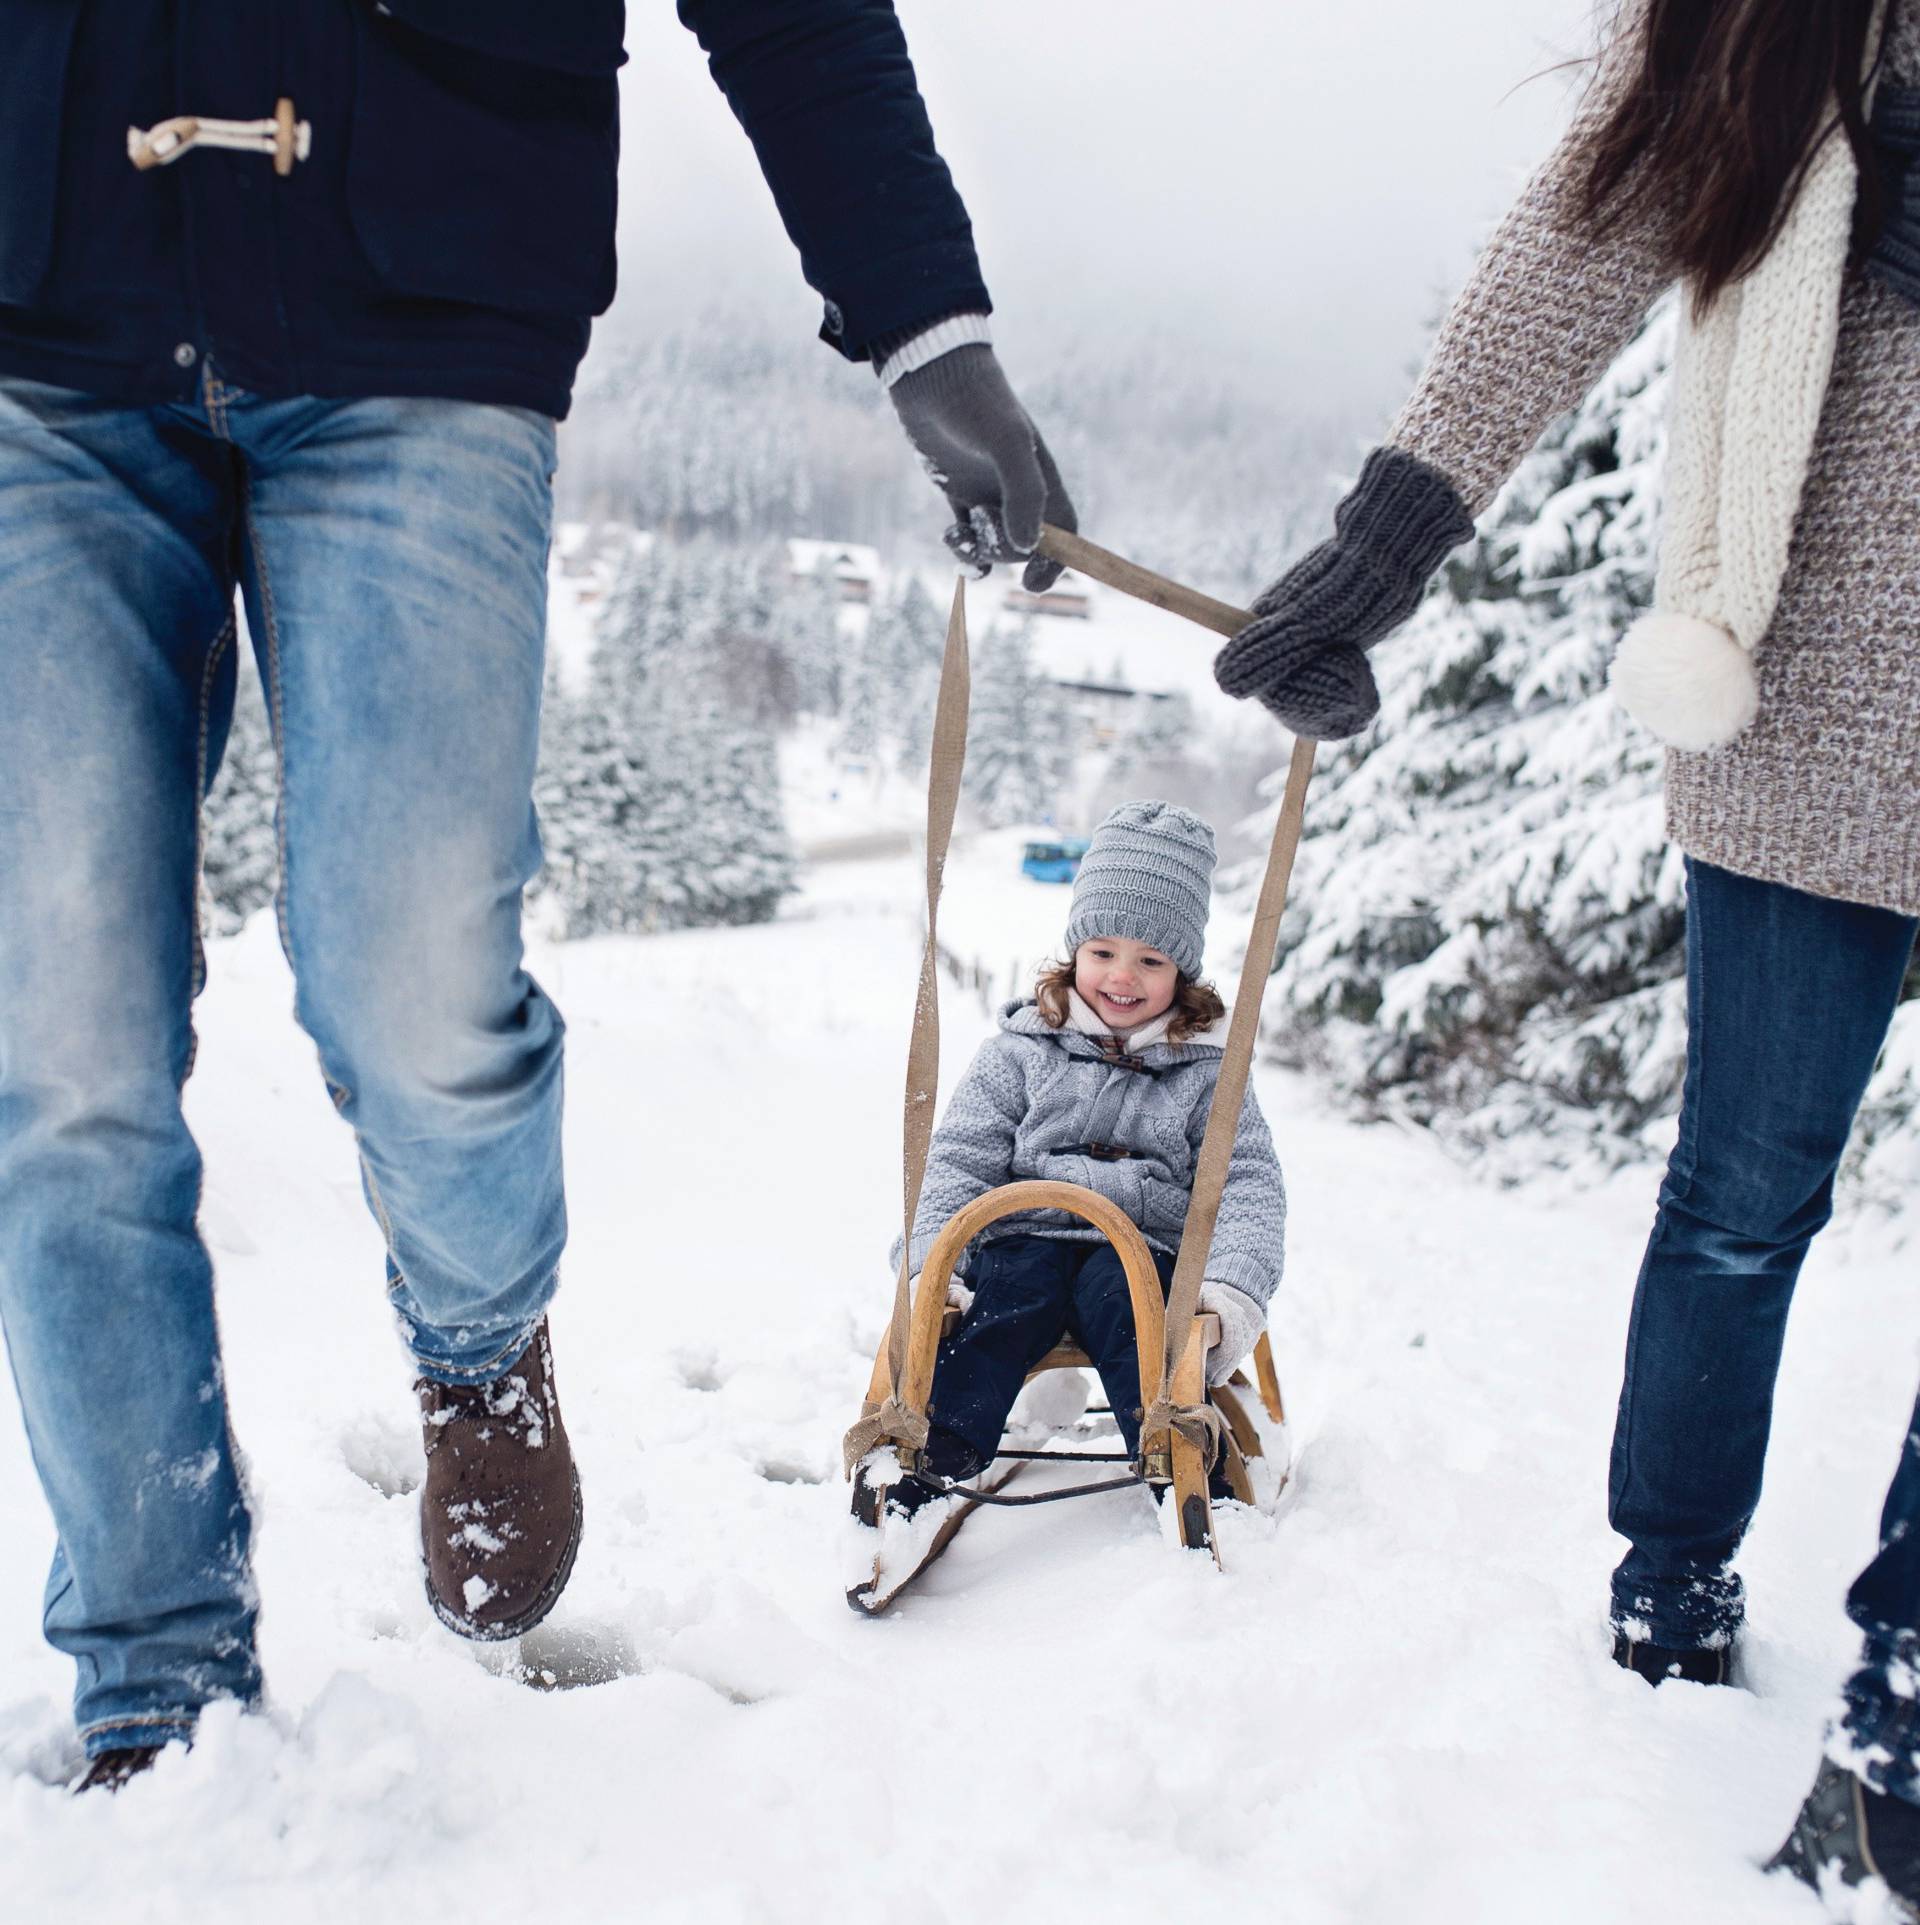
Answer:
(1054, 861)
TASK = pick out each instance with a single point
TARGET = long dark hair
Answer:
(1732, 100)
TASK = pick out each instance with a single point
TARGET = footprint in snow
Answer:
(384, 1452)
(786, 1470)
(699, 1369)
(570, 1657)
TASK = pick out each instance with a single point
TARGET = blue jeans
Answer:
(1028, 1293)
(392, 559)
(1788, 1000)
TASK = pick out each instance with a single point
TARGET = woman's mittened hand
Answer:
(1303, 655)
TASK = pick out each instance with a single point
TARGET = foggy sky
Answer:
(1293, 185)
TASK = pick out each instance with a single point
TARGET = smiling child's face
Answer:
(1124, 983)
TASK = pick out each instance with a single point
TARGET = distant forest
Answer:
(739, 431)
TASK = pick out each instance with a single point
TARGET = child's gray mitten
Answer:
(1304, 653)
(1241, 1322)
(986, 456)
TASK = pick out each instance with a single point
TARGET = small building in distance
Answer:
(851, 566)
(1068, 597)
(589, 554)
(1106, 711)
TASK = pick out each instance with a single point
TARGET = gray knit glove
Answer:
(1304, 654)
(975, 440)
(1241, 1322)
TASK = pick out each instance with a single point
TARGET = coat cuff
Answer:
(897, 354)
(1252, 1279)
(1404, 514)
(874, 300)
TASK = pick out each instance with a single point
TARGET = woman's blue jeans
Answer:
(392, 557)
(1789, 997)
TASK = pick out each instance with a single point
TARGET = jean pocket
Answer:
(479, 173)
(38, 37)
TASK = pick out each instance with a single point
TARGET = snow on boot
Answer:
(902, 1522)
(500, 1510)
(1848, 1834)
(947, 1459)
(1711, 1664)
(109, 1770)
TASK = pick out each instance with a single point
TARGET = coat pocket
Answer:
(575, 37)
(483, 177)
(37, 36)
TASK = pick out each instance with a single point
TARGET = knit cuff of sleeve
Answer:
(1404, 517)
(906, 353)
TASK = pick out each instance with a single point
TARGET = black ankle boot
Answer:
(1861, 1832)
(1657, 1663)
(948, 1455)
(946, 1458)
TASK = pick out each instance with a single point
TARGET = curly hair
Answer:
(1196, 1006)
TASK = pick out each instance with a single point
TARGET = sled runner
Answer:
(1187, 1432)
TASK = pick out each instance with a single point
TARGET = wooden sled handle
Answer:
(1010, 1199)
(1102, 565)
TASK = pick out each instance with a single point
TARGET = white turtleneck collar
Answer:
(1133, 1041)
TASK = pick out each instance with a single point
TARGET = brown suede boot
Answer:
(500, 1510)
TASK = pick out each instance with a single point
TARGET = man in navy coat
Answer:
(291, 298)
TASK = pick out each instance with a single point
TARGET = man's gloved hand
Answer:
(1241, 1322)
(1304, 653)
(974, 439)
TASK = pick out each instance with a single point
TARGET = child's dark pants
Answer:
(1028, 1293)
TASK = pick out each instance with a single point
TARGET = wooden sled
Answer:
(891, 1552)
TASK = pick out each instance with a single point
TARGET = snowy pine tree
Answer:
(1487, 923)
(806, 613)
(1158, 738)
(239, 846)
(1020, 753)
(863, 698)
(659, 799)
(914, 643)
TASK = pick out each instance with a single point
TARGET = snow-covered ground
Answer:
(1395, 1704)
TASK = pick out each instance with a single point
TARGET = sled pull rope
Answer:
(892, 1421)
(1201, 1424)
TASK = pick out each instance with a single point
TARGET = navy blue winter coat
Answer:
(452, 232)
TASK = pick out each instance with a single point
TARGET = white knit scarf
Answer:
(1749, 383)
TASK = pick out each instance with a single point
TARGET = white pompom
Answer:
(1686, 680)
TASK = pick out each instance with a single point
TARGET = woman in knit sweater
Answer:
(1762, 152)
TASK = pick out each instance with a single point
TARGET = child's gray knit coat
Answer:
(1034, 1096)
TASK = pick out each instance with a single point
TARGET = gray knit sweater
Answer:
(1823, 791)
(1033, 1097)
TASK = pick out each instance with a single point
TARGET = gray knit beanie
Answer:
(1146, 876)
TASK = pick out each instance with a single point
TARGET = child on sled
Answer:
(1103, 1078)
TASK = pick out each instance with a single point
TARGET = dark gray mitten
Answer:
(1304, 653)
(976, 442)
